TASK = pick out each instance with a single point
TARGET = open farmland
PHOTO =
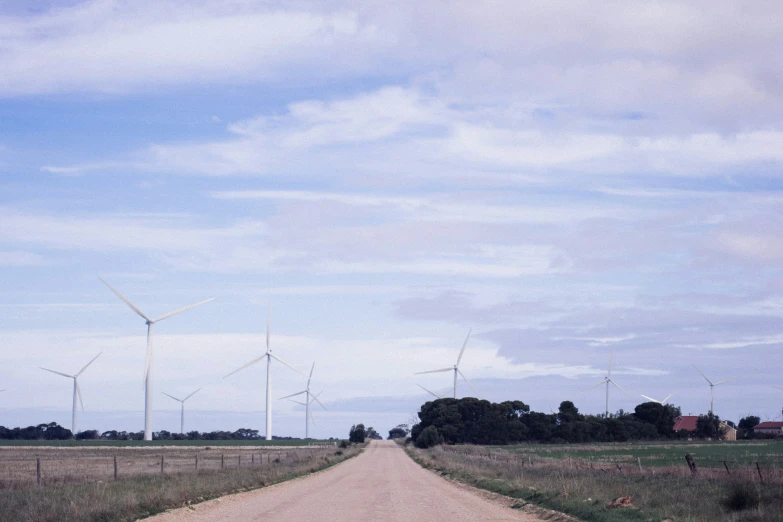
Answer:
(78, 483)
(585, 483)
(167, 443)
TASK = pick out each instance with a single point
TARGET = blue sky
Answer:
(566, 178)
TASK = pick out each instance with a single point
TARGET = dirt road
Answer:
(381, 484)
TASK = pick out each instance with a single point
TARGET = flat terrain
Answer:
(663, 454)
(381, 484)
(156, 443)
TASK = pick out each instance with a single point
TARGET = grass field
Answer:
(663, 454)
(584, 485)
(147, 443)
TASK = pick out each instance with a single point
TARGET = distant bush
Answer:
(344, 444)
(357, 434)
(429, 437)
(742, 495)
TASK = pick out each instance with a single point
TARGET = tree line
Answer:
(474, 421)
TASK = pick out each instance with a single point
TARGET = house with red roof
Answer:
(686, 422)
(769, 428)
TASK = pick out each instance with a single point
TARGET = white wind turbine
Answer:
(608, 380)
(182, 412)
(148, 359)
(431, 393)
(455, 368)
(662, 403)
(309, 414)
(76, 390)
(307, 402)
(268, 355)
(712, 387)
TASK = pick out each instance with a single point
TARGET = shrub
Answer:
(429, 437)
(742, 495)
(344, 444)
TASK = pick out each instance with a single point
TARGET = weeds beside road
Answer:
(584, 492)
(142, 495)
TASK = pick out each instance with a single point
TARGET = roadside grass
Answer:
(662, 454)
(141, 496)
(584, 493)
(149, 443)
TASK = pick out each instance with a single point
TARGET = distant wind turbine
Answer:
(148, 359)
(608, 380)
(76, 390)
(456, 369)
(662, 403)
(268, 355)
(431, 393)
(712, 387)
(182, 412)
(308, 401)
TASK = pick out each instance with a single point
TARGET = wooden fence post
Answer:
(38, 471)
(691, 464)
(621, 469)
(252, 459)
(758, 468)
(239, 461)
(727, 468)
(196, 461)
(639, 462)
(161, 464)
(115, 467)
(222, 462)
(570, 464)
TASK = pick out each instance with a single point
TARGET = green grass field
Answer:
(146, 443)
(707, 454)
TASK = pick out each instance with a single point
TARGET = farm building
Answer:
(770, 428)
(686, 422)
(727, 432)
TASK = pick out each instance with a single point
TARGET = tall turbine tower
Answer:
(268, 356)
(307, 402)
(662, 403)
(182, 412)
(148, 359)
(455, 368)
(608, 380)
(712, 387)
(76, 390)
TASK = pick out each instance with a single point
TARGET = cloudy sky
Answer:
(567, 179)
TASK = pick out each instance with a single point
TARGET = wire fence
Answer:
(46, 468)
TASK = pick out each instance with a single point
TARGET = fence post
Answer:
(196, 461)
(239, 461)
(115, 467)
(38, 471)
(252, 459)
(529, 461)
(621, 469)
(161, 464)
(570, 464)
(222, 462)
(639, 462)
(691, 464)
(727, 468)
(758, 468)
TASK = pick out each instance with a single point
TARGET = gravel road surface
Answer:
(380, 484)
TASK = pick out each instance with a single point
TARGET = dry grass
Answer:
(84, 490)
(579, 490)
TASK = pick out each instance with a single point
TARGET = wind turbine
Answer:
(148, 358)
(269, 356)
(662, 403)
(455, 368)
(607, 380)
(307, 402)
(309, 412)
(76, 389)
(431, 393)
(712, 387)
(182, 413)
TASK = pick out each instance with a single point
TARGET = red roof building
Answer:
(773, 428)
(686, 422)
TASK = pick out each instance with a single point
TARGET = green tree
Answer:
(357, 434)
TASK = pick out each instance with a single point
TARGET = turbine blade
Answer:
(618, 387)
(125, 300)
(297, 402)
(312, 419)
(167, 395)
(79, 393)
(667, 398)
(245, 366)
(58, 373)
(282, 361)
(180, 310)
(470, 384)
(596, 385)
(293, 395)
(89, 363)
(725, 380)
(654, 400)
(705, 377)
(436, 371)
(311, 375)
(463, 347)
(315, 398)
(426, 390)
(191, 395)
